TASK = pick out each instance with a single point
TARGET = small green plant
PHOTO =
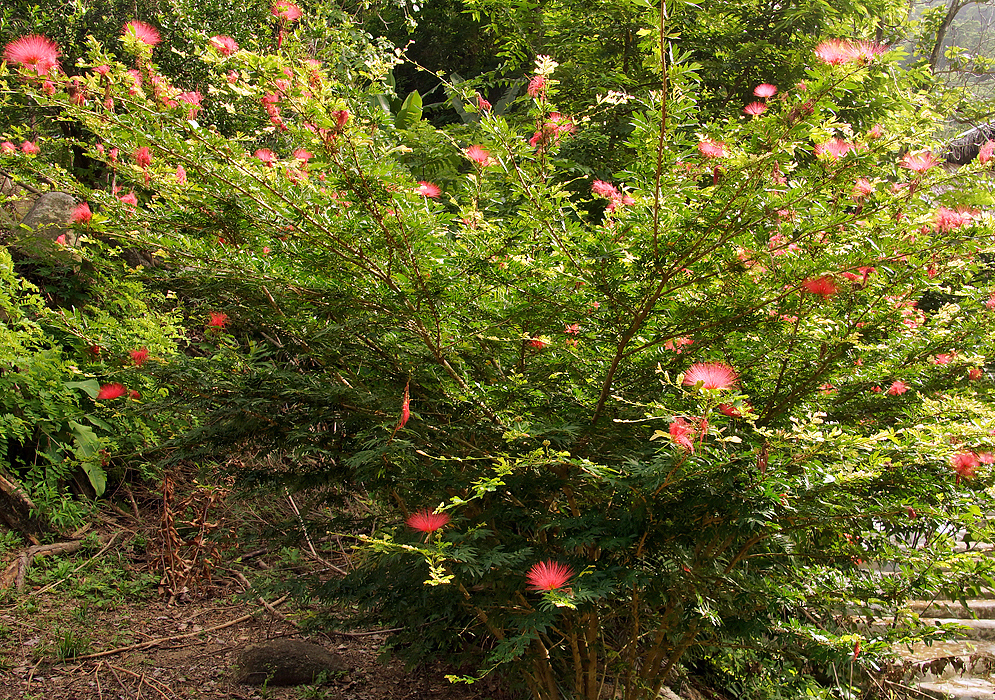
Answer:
(70, 644)
(10, 541)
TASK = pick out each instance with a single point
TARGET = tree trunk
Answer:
(15, 511)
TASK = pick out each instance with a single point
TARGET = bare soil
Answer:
(76, 640)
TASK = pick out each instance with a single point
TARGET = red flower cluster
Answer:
(824, 286)
(548, 576)
(285, 10)
(427, 521)
(555, 127)
(111, 391)
(225, 45)
(618, 199)
(682, 433)
(144, 33)
(964, 464)
(34, 52)
(712, 375)
(833, 149)
(836, 52)
(946, 220)
(919, 162)
(140, 356)
(427, 189)
(711, 148)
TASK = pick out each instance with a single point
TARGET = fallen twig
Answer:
(163, 640)
(142, 679)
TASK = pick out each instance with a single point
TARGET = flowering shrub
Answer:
(627, 424)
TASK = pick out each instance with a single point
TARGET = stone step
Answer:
(958, 689)
(970, 629)
(957, 669)
(981, 608)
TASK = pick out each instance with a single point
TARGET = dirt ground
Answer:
(95, 626)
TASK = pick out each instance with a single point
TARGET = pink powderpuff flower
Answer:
(139, 356)
(479, 156)
(833, 149)
(675, 344)
(727, 409)
(30, 148)
(834, 52)
(145, 33)
(862, 189)
(48, 87)
(898, 388)
(986, 458)
(865, 51)
(217, 320)
(129, 199)
(33, 52)
(427, 521)
(876, 132)
(755, 109)
(974, 373)
(192, 98)
(103, 70)
(985, 152)
(483, 105)
(81, 214)
(861, 278)
(537, 86)
(548, 576)
(181, 175)
(765, 90)
(427, 189)
(964, 464)
(712, 149)
(682, 433)
(604, 189)
(572, 328)
(224, 44)
(265, 155)
(285, 10)
(946, 220)
(142, 157)
(712, 375)
(7, 148)
(537, 343)
(134, 395)
(944, 358)
(61, 240)
(990, 304)
(303, 154)
(919, 162)
(111, 391)
(824, 286)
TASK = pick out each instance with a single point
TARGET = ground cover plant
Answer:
(621, 426)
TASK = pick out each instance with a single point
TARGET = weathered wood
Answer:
(18, 569)
(15, 511)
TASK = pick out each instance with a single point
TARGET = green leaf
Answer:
(410, 112)
(90, 386)
(97, 476)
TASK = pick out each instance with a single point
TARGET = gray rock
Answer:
(50, 215)
(286, 662)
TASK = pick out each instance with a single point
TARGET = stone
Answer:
(286, 662)
(51, 214)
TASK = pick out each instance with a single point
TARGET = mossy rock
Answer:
(286, 662)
